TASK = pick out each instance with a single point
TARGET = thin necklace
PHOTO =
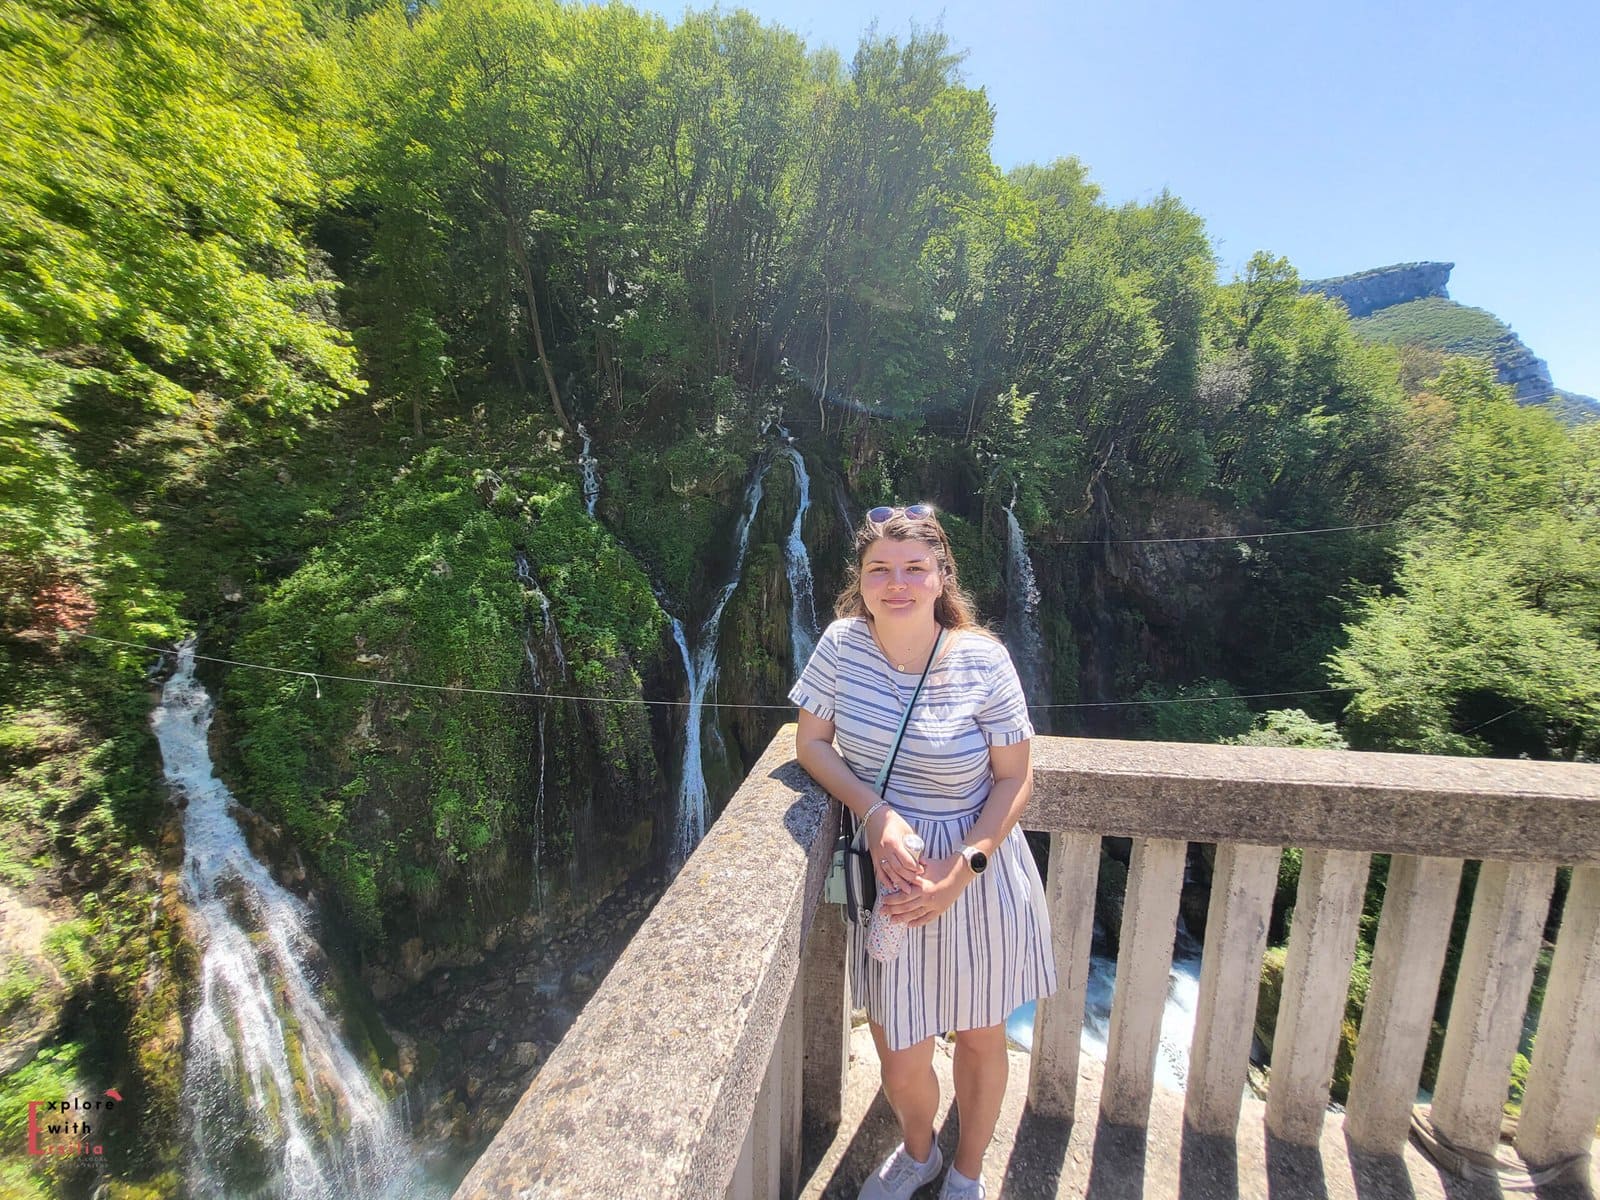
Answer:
(890, 657)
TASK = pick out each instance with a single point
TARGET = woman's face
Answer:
(900, 581)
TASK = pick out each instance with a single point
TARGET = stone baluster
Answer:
(1322, 949)
(766, 1131)
(825, 1018)
(1419, 901)
(1144, 964)
(1242, 885)
(1490, 999)
(1058, 1020)
(742, 1185)
(792, 1040)
(1561, 1103)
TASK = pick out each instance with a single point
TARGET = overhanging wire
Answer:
(458, 689)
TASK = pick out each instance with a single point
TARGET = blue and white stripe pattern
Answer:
(990, 951)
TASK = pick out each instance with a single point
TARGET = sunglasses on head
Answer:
(917, 512)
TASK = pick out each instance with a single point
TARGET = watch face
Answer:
(976, 859)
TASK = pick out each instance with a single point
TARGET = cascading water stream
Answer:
(1022, 633)
(1177, 1015)
(280, 1106)
(552, 638)
(700, 666)
(797, 563)
(590, 466)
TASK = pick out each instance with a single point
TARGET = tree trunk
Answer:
(520, 253)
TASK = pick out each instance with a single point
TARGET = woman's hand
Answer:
(930, 894)
(892, 863)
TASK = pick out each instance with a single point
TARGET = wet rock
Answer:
(412, 958)
(382, 982)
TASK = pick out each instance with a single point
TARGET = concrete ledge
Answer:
(1419, 804)
(650, 1093)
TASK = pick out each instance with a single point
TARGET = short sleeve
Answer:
(814, 690)
(1003, 718)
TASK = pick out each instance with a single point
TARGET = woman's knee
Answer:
(986, 1040)
(909, 1067)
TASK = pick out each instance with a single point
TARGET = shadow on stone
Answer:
(876, 1135)
(1116, 1169)
(1208, 1168)
(1456, 1187)
(1294, 1172)
(1038, 1155)
(1380, 1176)
(1573, 1185)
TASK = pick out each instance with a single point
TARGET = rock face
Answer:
(1366, 292)
(1408, 303)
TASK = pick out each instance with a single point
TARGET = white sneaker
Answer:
(958, 1187)
(901, 1175)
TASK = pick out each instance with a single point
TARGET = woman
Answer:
(978, 939)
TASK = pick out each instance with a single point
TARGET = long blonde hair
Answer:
(953, 609)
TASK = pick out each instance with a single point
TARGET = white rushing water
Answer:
(1023, 636)
(280, 1107)
(590, 466)
(1177, 1016)
(700, 665)
(797, 563)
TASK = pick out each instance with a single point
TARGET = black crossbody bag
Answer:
(852, 881)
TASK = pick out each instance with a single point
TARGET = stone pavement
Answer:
(1036, 1158)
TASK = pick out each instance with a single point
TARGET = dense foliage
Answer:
(1439, 324)
(301, 307)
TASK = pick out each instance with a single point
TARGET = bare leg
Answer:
(913, 1091)
(980, 1069)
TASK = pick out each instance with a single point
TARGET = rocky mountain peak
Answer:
(1366, 292)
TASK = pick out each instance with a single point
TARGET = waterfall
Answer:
(530, 650)
(1177, 1015)
(1022, 634)
(700, 659)
(280, 1106)
(692, 796)
(802, 606)
(590, 466)
(700, 666)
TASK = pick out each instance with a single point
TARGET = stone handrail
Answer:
(683, 1075)
(651, 1093)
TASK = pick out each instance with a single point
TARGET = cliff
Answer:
(1383, 287)
(1409, 304)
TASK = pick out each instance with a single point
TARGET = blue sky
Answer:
(1344, 136)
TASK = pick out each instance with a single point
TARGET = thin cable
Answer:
(1511, 713)
(1192, 699)
(1215, 537)
(314, 676)
(432, 687)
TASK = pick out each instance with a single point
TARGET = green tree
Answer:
(1488, 642)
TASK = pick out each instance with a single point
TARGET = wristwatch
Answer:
(976, 859)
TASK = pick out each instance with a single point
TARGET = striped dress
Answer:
(989, 952)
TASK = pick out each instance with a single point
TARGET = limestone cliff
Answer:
(1409, 304)
(1366, 292)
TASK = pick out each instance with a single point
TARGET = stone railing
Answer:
(724, 1024)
